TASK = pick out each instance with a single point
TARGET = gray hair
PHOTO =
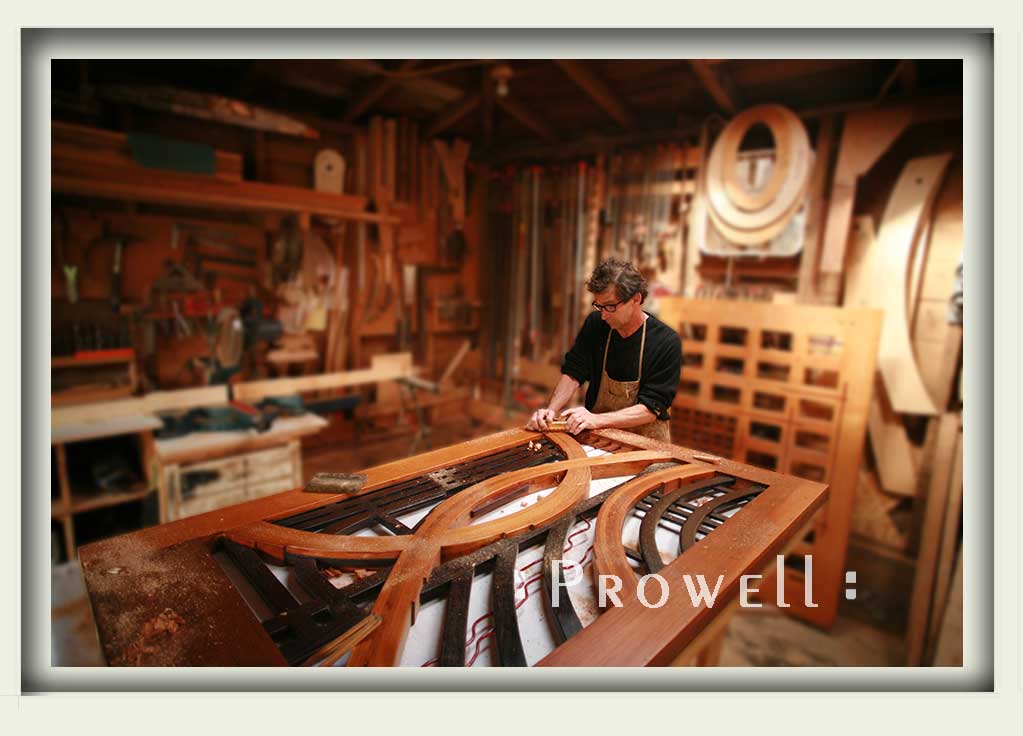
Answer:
(622, 275)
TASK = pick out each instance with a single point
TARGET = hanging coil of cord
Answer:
(749, 216)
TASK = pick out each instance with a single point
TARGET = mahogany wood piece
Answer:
(131, 583)
(179, 555)
(607, 547)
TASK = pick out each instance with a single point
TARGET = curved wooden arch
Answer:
(278, 541)
(608, 553)
(571, 490)
(447, 531)
(648, 528)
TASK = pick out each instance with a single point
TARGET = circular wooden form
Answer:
(752, 218)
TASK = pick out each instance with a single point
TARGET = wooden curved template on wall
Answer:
(755, 217)
(908, 205)
(866, 135)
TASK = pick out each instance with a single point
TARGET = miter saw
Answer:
(234, 333)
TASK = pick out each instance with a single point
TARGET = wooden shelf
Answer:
(136, 184)
(81, 502)
(79, 361)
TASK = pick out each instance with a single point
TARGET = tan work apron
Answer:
(614, 395)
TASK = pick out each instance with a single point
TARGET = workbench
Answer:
(203, 471)
(458, 540)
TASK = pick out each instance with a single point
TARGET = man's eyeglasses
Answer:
(609, 308)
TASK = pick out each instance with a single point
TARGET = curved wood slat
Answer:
(277, 540)
(608, 552)
(506, 622)
(911, 199)
(456, 617)
(648, 527)
(687, 536)
(564, 617)
(573, 488)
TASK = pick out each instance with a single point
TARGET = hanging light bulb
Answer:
(501, 74)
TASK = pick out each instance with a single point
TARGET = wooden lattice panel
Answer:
(301, 578)
(706, 431)
(796, 383)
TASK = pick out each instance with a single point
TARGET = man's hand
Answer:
(579, 419)
(538, 422)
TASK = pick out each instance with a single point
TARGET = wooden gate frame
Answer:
(164, 579)
(811, 334)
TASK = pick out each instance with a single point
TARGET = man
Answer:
(631, 359)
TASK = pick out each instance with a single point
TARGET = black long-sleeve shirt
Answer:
(662, 361)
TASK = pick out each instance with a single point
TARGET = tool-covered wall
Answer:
(137, 270)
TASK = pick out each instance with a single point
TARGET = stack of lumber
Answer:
(909, 499)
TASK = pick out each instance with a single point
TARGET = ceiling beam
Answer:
(452, 114)
(377, 89)
(717, 84)
(309, 83)
(598, 91)
(420, 84)
(687, 132)
(528, 118)
(904, 72)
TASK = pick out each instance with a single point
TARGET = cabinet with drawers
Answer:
(196, 488)
(206, 471)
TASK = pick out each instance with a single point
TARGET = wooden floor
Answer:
(769, 638)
